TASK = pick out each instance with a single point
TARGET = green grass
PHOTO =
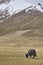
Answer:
(13, 50)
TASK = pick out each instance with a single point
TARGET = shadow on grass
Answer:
(37, 58)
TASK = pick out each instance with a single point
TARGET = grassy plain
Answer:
(13, 50)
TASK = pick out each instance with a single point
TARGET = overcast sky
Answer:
(35, 1)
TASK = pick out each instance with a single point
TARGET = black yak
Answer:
(31, 52)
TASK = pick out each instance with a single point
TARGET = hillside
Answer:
(23, 24)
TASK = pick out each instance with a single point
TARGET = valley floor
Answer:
(13, 50)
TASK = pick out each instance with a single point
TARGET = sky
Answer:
(35, 1)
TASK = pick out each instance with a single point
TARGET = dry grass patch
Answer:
(13, 50)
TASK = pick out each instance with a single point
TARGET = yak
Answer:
(31, 53)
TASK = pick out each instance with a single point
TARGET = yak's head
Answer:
(26, 55)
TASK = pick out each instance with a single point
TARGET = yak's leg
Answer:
(33, 56)
(30, 57)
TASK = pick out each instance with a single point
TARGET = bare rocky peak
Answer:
(4, 1)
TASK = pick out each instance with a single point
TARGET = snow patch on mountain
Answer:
(34, 7)
(14, 6)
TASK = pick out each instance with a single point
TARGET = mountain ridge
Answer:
(9, 9)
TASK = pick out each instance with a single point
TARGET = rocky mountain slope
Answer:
(27, 22)
(23, 24)
(4, 1)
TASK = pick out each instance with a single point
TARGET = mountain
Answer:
(14, 6)
(11, 7)
(23, 24)
(27, 22)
